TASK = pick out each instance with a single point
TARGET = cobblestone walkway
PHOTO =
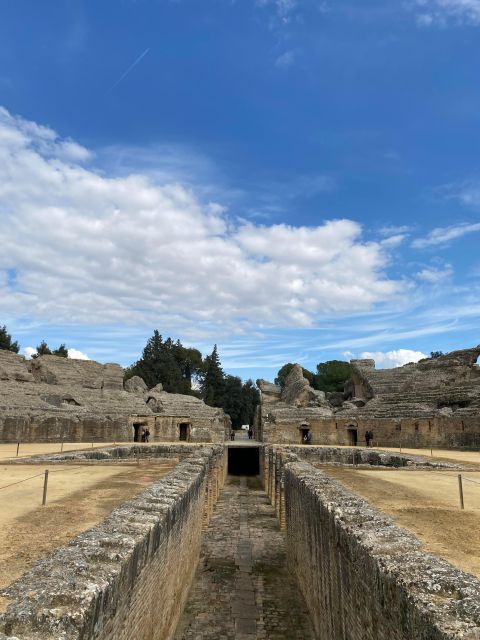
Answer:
(242, 590)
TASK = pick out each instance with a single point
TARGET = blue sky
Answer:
(296, 180)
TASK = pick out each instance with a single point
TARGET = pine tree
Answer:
(42, 350)
(250, 399)
(213, 384)
(232, 400)
(159, 365)
(6, 341)
(61, 352)
(332, 375)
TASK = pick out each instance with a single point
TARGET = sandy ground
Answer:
(9, 450)
(79, 496)
(444, 454)
(426, 503)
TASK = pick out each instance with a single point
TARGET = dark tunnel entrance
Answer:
(243, 461)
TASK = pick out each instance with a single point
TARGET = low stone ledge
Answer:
(119, 452)
(77, 591)
(364, 456)
(373, 575)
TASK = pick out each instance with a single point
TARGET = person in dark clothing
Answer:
(147, 435)
(250, 433)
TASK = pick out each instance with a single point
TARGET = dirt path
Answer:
(78, 498)
(427, 504)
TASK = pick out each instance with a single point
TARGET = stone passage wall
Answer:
(274, 458)
(364, 578)
(128, 577)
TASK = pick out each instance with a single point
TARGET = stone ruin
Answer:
(131, 576)
(435, 401)
(50, 399)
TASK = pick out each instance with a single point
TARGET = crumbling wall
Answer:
(50, 399)
(363, 578)
(129, 576)
(88, 374)
(435, 402)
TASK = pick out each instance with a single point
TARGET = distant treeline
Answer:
(184, 370)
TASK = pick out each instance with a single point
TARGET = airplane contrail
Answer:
(132, 66)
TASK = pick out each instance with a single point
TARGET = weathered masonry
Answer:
(362, 577)
(433, 402)
(50, 399)
(128, 577)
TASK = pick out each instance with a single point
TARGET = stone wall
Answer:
(363, 578)
(435, 402)
(50, 399)
(129, 576)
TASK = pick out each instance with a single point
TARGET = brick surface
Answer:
(242, 589)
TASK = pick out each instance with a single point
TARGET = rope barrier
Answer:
(469, 479)
(20, 481)
(74, 468)
(36, 476)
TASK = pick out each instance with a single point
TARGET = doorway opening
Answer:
(184, 431)
(243, 461)
(136, 431)
(352, 433)
(304, 435)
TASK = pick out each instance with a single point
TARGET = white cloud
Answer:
(285, 60)
(434, 274)
(394, 230)
(396, 358)
(283, 8)
(444, 235)
(394, 241)
(442, 12)
(95, 249)
(75, 354)
(466, 192)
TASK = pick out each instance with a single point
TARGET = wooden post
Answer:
(18, 447)
(45, 485)
(460, 490)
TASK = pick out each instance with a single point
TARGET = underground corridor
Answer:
(243, 460)
(242, 589)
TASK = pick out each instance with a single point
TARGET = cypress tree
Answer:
(213, 384)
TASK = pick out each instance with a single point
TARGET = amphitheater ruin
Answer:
(194, 536)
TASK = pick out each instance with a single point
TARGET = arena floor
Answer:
(427, 503)
(78, 497)
(444, 454)
(25, 450)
